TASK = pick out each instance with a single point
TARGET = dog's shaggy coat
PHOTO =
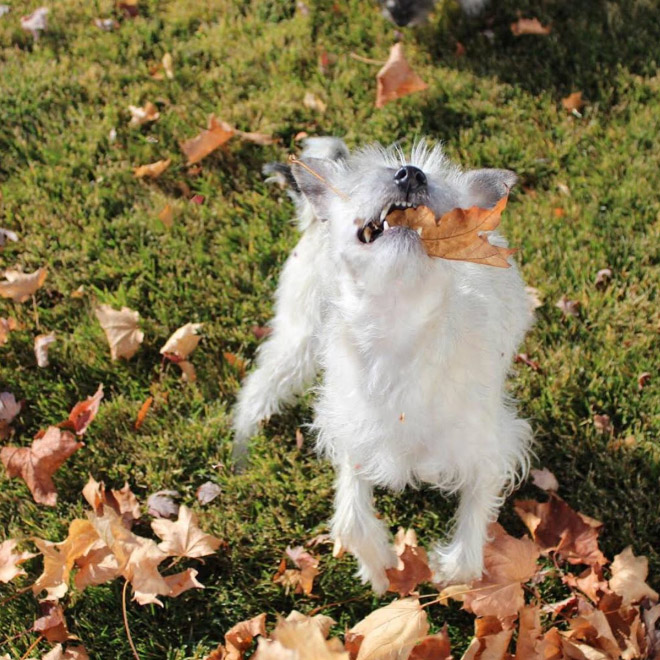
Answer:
(413, 350)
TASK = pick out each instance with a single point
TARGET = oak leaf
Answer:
(183, 538)
(215, 135)
(120, 327)
(37, 464)
(83, 413)
(558, 528)
(10, 560)
(41, 345)
(152, 170)
(629, 577)
(457, 234)
(391, 632)
(396, 78)
(529, 26)
(508, 563)
(20, 286)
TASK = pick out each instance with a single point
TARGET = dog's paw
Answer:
(452, 564)
(375, 573)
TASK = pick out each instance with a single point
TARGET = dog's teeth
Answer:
(383, 215)
(419, 230)
(366, 232)
(386, 225)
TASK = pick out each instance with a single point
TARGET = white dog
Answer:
(414, 350)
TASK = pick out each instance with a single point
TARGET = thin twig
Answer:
(128, 630)
(20, 592)
(295, 161)
(366, 60)
(320, 608)
(36, 641)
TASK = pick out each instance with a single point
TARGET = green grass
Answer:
(70, 194)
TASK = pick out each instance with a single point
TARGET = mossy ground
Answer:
(70, 194)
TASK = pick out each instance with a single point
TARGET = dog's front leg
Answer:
(461, 560)
(359, 530)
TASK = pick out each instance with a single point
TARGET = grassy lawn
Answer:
(588, 200)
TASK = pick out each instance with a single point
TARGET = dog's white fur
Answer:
(414, 353)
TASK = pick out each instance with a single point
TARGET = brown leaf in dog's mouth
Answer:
(457, 234)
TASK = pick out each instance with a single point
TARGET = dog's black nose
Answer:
(410, 178)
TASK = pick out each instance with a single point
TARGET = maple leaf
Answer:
(239, 638)
(120, 327)
(41, 345)
(96, 566)
(10, 560)
(207, 492)
(71, 653)
(123, 502)
(183, 538)
(508, 563)
(545, 480)
(6, 326)
(457, 234)
(590, 582)
(36, 22)
(20, 286)
(629, 577)
(396, 78)
(37, 464)
(558, 528)
(491, 640)
(182, 342)
(413, 566)
(84, 412)
(152, 170)
(300, 579)
(529, 632)
(59, 558)
(51, 623)
(392, 631)
(180, 582)
(143, 115)
(529, 26)
(433, 647)
(216, 134)
(161, 504)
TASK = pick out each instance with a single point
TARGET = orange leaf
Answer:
(573, 102)
(457, 234)
(152, 170)
(184, 538)
(142, 413)
(37, 464)
(529, 26)
(84, 412)
(433, 647)
(217, 133)
(396, 78)
(413, 567)
(51, 623)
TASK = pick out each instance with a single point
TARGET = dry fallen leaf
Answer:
(10, 560)
(182, 343)
(36, 464)
(123, 502)
(106, 24)
(413, 566)
(20, 286)
(529, 633)
(36, 22)
(217, 133)
(161, 504)
(301, 579)
(71, 653)
(152, 170)
(603, 424)
(121, 330)
(491, 640)
(166, 215)
(9, 407)
(7, 234)
(41, 345)
(457, 234)
(643, 380)
(51, 622)
(523, 358)
(235, 361)
(391, 632)
(143, 115)
(568, 307)
(207, 492)
(545, 480)
(508, 563)
(558, 528)
(168, 65)
(573, 102)
(6, 326)
(257, 138)
(396, 78)
(590, 582)
(142, 413)
(84, 412)
(238, 639)
(433, 647)
(180, 582)
(313, 102)
(629, 577)
(529, 26)
(603, 277)
(184, 538)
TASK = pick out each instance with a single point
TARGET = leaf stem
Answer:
(128, 630)
(295, 161)
(365, 60)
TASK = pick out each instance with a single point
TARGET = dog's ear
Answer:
(280, 173)
(313, 176)
(484, 188)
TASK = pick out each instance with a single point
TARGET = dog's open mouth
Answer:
(376, 228)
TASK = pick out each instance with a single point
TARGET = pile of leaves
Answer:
(608, 612)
